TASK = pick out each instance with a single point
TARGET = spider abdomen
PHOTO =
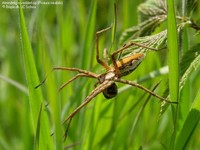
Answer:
(130, 63)
(111, 91)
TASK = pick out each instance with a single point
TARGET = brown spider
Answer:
(114, 72)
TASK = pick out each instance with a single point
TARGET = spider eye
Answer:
(111, 91)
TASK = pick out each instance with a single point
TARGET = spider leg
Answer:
(82, 73)
(105, 65)
(87, 73)
(144, 89)
(72, 79)
(91, 74)
(94, 93)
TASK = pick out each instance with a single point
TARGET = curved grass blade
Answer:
(15, 83)
(35, 96)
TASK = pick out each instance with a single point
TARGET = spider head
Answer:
(111, 91)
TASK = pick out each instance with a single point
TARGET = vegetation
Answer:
(34, 40)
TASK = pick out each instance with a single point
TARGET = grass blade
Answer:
(35, 96)
(189, 125)
(173, 61)
(14, 83)
(173, 52)
(89, 35)
(37, 136)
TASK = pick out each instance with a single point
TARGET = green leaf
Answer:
(152, 8)
(152, 14)
(156, 41)
(143, 29)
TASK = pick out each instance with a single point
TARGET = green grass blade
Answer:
(189, 125)
(37, 137)
(14, 83)
(173, 53)
(89, 35)
(27, 130)
(173, 61)
(35, 96)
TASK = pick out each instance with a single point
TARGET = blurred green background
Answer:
(64, 35)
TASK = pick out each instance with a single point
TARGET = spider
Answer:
(106, 82)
